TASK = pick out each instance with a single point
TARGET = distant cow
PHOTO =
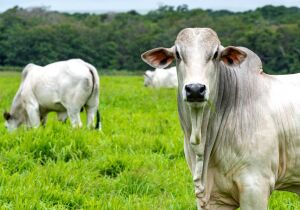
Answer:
(63, 87)
(248, 121)
(161, 78)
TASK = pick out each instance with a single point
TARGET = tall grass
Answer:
(137, 162)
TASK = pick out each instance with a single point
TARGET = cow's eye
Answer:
(215, 55)
(177, 54)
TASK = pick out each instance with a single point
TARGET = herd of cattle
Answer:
(241, 126)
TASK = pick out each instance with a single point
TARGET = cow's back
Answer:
(74, 69)
(284, 107)
(56, 83)
(166, 77)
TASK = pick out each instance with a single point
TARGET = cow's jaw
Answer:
(11, 125)
(19, 118)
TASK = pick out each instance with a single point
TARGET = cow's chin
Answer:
(10, 126)
(196, 104)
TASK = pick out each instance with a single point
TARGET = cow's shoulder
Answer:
(28, 68)
(252, 61)
(73, 64)
(75, 61)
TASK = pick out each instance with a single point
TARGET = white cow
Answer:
(63, 87)
(161, 78)
(247, 121)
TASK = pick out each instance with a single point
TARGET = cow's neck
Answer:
(220, 117)
(235, 106)
(17, 109)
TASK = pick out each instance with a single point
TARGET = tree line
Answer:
(116, 40)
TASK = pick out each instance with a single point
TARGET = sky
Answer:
(99, 6)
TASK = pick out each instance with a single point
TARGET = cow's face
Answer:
(148, 78)
(197, 52)
(11, 122)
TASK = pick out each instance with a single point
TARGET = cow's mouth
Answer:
(195, 100)
(196, 104)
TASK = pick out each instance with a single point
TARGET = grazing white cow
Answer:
(248, 121)
(161, 78)
(63, 87)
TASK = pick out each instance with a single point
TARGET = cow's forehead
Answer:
(203, 36)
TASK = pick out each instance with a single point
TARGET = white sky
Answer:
(141, 5)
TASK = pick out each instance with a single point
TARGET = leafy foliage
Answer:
(116, 40)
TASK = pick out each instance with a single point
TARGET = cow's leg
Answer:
(33, 115)
(254, 199)
(253, 193)
(90, 113)
(74, 115)
(62, 116)
(91, 108)
(43, 116)
(44, 119)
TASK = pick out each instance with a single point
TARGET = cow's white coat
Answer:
(63, 87)
(161, 78)
(248, 129)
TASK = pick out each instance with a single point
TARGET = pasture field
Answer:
(137, 162)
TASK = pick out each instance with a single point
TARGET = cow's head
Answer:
(197, 52)
(148, 78)
(11, 122)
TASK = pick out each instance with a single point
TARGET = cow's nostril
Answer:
(188, 88)
(202, 89)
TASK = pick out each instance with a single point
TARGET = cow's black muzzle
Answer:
(195, 92)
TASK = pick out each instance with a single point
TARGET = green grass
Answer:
(137, 162)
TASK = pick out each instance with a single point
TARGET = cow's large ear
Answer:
(232, 56)
(6, 115)
(159, 57)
